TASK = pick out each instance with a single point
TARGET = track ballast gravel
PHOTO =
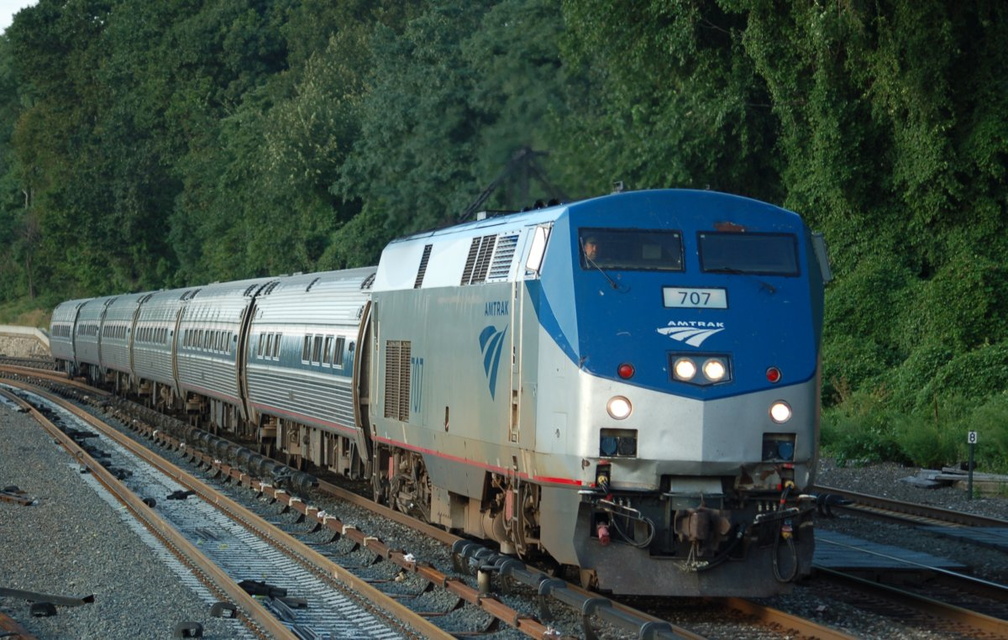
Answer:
(74, 543)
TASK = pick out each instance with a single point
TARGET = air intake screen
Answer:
(423, 266)
(478, 261)
(397, 379)
(502, 258)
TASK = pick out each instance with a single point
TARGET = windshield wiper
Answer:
(612, 283)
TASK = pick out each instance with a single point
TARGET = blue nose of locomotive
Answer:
(696, 335)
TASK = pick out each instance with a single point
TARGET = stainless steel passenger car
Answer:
(300, 363)
(116, 336)
(153, 346)
(87, 340)
(61, 334)
(210, 339)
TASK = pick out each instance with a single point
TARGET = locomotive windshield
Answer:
(757, 253)
(633, 249)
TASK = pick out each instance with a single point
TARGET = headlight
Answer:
(714, 370)
(685, 369)
(780, 412)
(700, 368)
(619, 407)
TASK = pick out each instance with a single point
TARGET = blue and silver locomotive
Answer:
(628, 384)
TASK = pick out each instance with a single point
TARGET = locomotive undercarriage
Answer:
(507, 512)
(699, 533)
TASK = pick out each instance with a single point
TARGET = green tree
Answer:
(673, 98)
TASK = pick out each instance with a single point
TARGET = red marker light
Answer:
(773, 375)
(625, 370)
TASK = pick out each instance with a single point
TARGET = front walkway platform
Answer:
(842, 552)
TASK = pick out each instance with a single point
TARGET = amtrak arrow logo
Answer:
(491, 344)
(692, 333)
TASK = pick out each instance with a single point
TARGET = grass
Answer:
(25, 314)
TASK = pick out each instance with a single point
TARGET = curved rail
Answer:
(888, 508)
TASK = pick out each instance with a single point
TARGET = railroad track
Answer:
(28, 364)
(924, 606)
(315, 520)
(240, 601)
(909, 512)
(933, 597)
(483, 577)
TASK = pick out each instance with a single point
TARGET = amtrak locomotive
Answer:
(627, 384)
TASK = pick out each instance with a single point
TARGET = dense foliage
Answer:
(153, 144)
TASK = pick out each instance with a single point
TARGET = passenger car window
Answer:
(327, 352)
(338, 355)
(317, 350)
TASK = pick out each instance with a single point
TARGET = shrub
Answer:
(862, 429)
(907, 380)
(867, 428)
(861, 304)
(974, 375)
(929, 437)
(964, 306)
(850, 364)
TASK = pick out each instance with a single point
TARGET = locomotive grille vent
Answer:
(470, 261)
(423, 266)
(397, 379)
(501, 264)
(478, 260)
(483, 262)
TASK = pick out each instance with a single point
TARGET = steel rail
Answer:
(775, 617)
(978, 621)
(878, 505)
(992, 590)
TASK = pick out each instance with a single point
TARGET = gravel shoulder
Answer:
(74, 543)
